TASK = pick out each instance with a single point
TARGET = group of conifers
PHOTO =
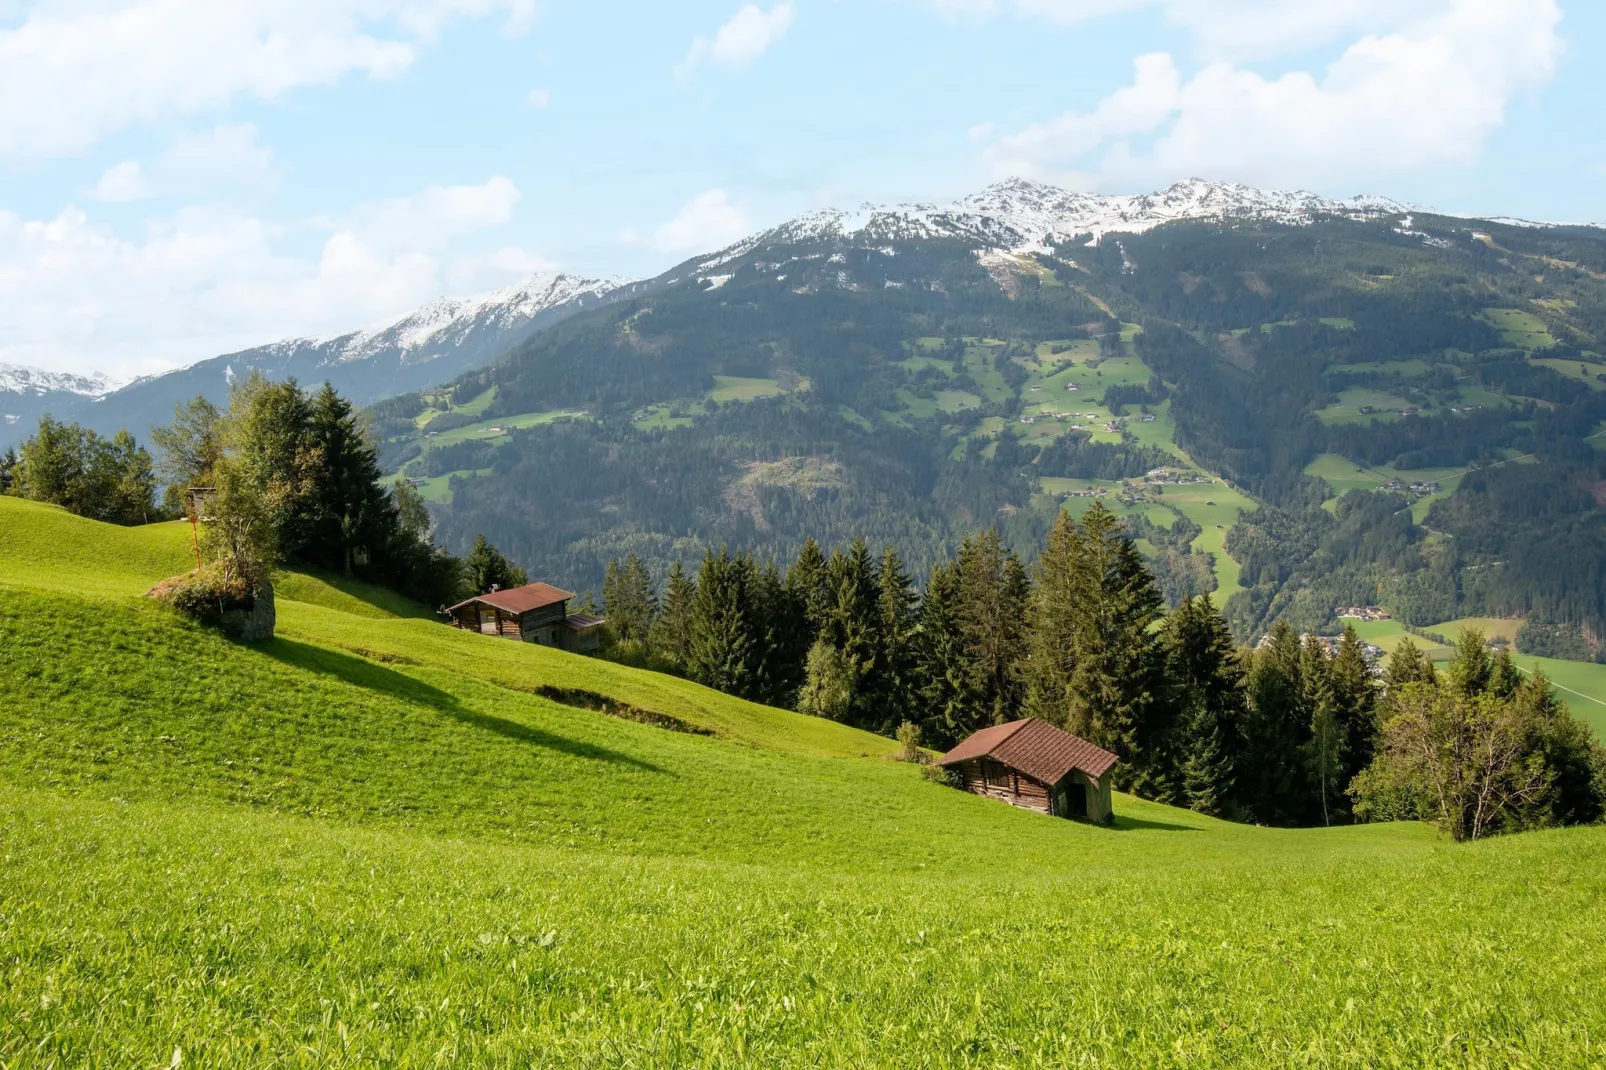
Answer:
(1297, 732)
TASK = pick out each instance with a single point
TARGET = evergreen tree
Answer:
(485, 568)
(994, 593)
(852, 626)
(1355, 699)
(1207, 680)
(1053, 623)
(829, 684)
(1115, 685)
(1272, 779)
(103, 479)
(628, 600)
(348, 512)
(8, 470)
(1325, 745)
(672, 630)
(781, 658)
(899, 618)
(723, 652)
(1409, 665)
(806, 582)
(947, 709)
(1471, 671)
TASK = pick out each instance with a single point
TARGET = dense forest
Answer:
(1298, 732)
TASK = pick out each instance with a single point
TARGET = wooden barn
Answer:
(535, 613)
(1032, 764)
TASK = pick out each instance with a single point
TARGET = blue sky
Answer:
(179, 178)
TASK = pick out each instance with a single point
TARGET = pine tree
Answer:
(723, 654)
(672, 630)
(1208, 685)
(1408, 665)
(1325, 746)
(1115, 686)
(348, 511)
(806, 582)
(899, 617)
(852, 626)
(1355, 696)
(947, 709)
(1053, 623)
(628, 600)
(1471, 670)
(1272, 777)
(994, 593)
(485, 568)
(781, 657)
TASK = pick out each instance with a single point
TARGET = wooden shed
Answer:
(1032, 764)
(535, 613)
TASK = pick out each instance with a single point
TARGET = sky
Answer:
(183, 178)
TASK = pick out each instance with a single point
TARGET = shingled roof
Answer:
(518, 600)
(1036, 748)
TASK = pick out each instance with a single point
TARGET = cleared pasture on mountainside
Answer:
(371, 842)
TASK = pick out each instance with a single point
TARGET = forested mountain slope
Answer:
(911, 374)
(375, 840)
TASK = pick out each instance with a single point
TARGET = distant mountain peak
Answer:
(36, 382)
(417, 335)
(1022, 215)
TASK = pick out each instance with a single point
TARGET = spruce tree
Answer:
(947, 710)
(1207, 683)
(347, 508)
(1053, 623)
(806, 582)
(1324, 748)
(994, 593)
(1272, 777)
(485, 568)
(1355, 696)
(1409, 665)
(899, 617)
(723, 650)
(1471, 671)
(781, 659)
(628, 600)
(672, 630)
(1115, 687)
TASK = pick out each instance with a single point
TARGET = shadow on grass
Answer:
(365, 674)
(1135, 824)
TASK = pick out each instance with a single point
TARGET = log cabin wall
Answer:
(993, 779)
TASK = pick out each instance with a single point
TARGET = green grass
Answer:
(370, 842)
(502, 425)
(438, 489)
(1215, 507)
(1344, 475)
(1585, 371)
(729, 388)
(1347, 409)
(1519, 329)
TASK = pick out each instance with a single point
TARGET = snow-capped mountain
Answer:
(28, 393)
(432, 345)
(1019, 216)
(36, 382)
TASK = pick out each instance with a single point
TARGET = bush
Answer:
(214, 596)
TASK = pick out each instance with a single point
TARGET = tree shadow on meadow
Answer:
(1136, 824)
(359, 672)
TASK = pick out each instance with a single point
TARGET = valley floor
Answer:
(370, 841)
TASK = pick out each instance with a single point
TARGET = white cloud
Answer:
(72, 72)
(708, 221)
(1427, 94)
(747, 36)
(225, 157)
(540, 98)
(76, 295)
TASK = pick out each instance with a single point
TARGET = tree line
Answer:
(286, 475)
(1301, 731)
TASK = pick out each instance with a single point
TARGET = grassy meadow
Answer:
(374, 841)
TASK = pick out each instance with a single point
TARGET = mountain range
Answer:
(442, 340)
(430, 345)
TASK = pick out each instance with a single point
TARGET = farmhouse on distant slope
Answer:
(535, 613)
(1032, 764)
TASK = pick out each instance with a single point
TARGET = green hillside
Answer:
(376, 841)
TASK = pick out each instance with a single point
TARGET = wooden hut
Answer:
(1032, 764)
(535, 613)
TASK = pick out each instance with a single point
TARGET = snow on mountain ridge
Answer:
(1019, 215)
(420, 328)
(17, 379)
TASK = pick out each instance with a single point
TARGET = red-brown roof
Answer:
(581, 621)
(1036, 748)
(518, 600)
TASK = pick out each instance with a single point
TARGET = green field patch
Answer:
(921, 363)
(1581, 683)
(1388, 634)
(980, 367)
(1403, 368)
(1341, 322)
(1520, 329)
(1347, 410)
(501, 426)
(1589, 372)
(729, 388)
(853, 417)
(438, 489)
(1215, 507)
(663, 416)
